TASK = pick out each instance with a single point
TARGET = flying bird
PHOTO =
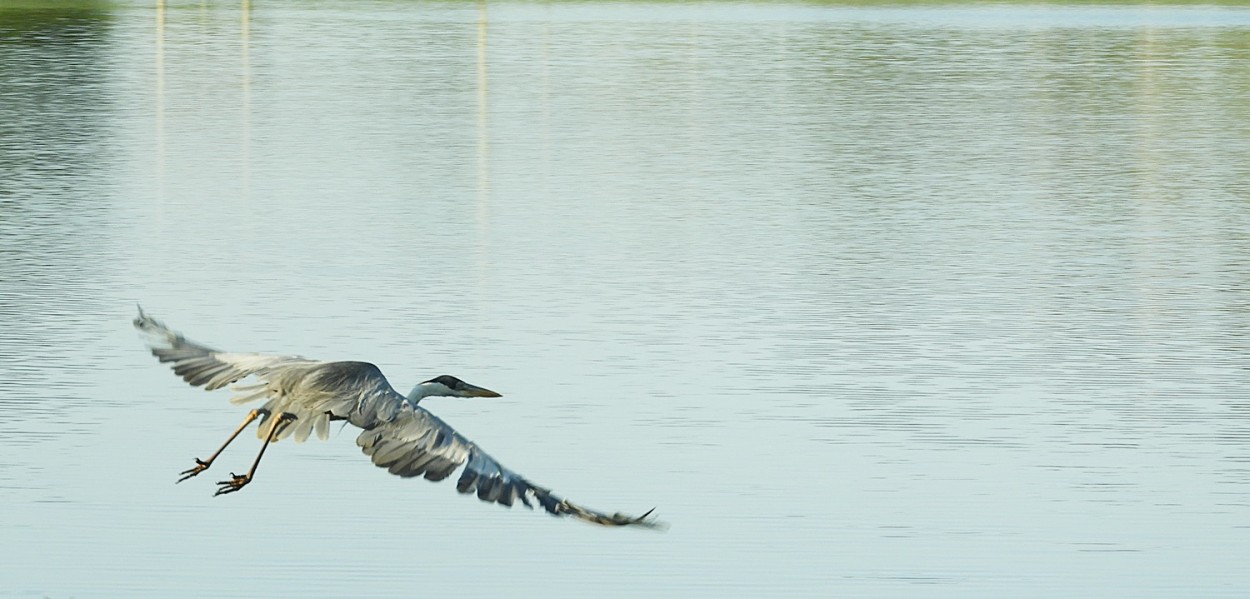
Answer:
(303, 396)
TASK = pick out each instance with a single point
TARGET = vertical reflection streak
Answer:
(546, 77)
(246, 99)
(160, 100)
(483, 124)
(483, 147)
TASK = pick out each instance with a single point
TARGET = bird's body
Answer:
(302, 396)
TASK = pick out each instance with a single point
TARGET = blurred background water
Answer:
(873, 300)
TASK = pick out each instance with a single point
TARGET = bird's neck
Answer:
(421, 392)
(417, 394)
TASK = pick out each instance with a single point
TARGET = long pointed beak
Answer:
(474, 391)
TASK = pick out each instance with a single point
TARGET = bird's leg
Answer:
(237, 481)
(202, 465)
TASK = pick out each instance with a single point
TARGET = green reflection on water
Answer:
(50, 62)
(70, 6)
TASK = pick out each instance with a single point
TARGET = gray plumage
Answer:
(398, 434)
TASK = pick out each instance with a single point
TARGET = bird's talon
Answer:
(200, 466)
(236, 482)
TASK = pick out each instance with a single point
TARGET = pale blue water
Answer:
(870, 302)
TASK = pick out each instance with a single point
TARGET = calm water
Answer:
(871, 302)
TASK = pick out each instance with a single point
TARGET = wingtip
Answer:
(142, 317)
(650, 522)
(645, 521)
(154, 330)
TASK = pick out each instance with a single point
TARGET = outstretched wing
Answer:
(313, 391)
(204, 366)
(416, 442)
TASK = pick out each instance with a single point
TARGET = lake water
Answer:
(870, 301)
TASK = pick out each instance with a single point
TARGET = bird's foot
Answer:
(236, 482)
(200, 466)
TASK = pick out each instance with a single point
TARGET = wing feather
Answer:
(416, 441)
(203, 366)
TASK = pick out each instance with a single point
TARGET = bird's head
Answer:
(448, 386)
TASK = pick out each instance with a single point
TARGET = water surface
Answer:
(876, 301)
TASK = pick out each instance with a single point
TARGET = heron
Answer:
(304, 395)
